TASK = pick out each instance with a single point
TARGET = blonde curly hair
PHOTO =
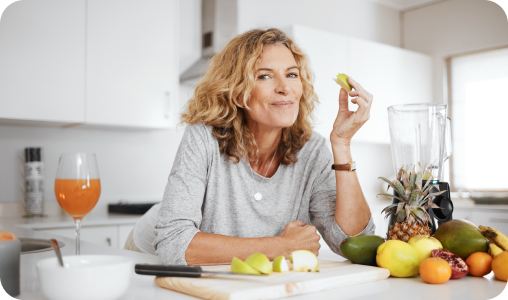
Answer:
(230, 77)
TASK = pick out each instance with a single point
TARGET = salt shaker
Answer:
(10, 251)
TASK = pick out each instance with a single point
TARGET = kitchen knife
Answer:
(179, 271)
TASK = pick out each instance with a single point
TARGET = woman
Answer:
(250, 175)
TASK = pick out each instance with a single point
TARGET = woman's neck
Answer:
(267, 140)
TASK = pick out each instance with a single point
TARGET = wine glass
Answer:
(77, 187)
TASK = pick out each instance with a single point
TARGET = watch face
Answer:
(353, 166)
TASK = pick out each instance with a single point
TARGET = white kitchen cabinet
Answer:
(42, 61)
(123, 234)
(107, 235)
(495, 219)
(103, 235)
(94, 62)
(393, 75)
(132, 76)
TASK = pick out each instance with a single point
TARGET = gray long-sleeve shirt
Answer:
(207, 192)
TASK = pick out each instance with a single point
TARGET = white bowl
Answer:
(85, 277)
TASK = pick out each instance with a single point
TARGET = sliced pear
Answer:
(342, 81)
(280, 264)
(239, 267)
(260, 262)
(291, 258)
(305, 261)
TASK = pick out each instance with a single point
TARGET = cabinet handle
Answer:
(109, 241)
(499, 220)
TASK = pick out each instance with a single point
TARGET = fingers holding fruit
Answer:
(349, 122)
(359, 91)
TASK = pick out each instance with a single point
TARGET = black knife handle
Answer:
(168, 270)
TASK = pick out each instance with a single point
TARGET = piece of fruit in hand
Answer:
(280, 264)
(341, 80)
(305, 261)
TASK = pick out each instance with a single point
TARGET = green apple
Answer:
(239, 267)
(342, 81)
(305, 261)
(260, 262)
(423, 244)
(280, 264)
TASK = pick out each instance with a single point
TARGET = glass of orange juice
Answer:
(77, 187)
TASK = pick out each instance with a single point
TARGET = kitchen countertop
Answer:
(143, 287)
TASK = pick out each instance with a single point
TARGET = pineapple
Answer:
(410, 214)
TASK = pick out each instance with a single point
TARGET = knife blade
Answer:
(179, 271)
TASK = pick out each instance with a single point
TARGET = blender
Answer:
(420, 135)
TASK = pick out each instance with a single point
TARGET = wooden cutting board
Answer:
(277, 285)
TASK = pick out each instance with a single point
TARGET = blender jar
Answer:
(420, 134)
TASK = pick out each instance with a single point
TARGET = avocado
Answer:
(361, 248)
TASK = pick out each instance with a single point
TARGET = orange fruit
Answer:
(479, 264)
(435, 270)
(500, 266)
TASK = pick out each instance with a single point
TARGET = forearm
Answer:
(352, 212)
(216, 249)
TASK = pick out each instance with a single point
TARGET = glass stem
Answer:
(78, 230)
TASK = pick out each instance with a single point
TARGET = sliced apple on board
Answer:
(342, 81)
(305, 261)
(240, 267)
(280, 264)
(260, 262)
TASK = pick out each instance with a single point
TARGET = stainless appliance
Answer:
(420, 135)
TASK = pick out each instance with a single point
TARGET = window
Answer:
(479, 113)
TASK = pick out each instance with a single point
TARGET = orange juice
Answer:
(77, 197)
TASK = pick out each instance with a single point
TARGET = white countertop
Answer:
(143, 287)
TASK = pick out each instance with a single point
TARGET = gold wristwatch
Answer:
(350, 166)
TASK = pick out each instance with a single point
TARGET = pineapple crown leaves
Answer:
(414, 197)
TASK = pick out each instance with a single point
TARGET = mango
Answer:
(461, 238)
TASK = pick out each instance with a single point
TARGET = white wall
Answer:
(453, 27)
(133, 165)
(359, 18)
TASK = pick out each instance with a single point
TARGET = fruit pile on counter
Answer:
(457, 248)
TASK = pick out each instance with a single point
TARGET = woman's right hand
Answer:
(299, 236)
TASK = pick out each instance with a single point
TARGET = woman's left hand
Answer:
(348, 122)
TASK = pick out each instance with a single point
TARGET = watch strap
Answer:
(351, 166)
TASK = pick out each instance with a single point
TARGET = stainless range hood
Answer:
(218, 27)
